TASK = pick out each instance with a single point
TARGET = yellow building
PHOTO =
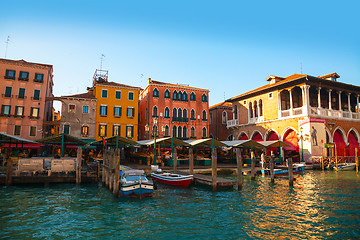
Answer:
(116, 108)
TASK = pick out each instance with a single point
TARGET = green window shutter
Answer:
(36, 94)
(8, 91)
(22, 93)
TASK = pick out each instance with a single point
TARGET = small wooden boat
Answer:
(283, 170)
(345, 166)
(173, 179)
(133, 183)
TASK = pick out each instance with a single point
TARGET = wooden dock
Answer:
(207, 180)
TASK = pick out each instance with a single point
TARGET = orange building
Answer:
(23, 90)
(181, 111)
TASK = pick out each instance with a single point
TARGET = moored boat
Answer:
(133, 183)
(281, 171)
(172, 179)
(345, 166)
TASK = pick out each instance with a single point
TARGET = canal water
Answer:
(319, 206)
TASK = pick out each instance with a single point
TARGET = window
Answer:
(156, 93)
(10, 74)
(8, 91)
(192, 97)
(21, 93)
(204, 115)
(104, 93)
(5, 110)
(210, 118)
(129, 131)
(255, 109)
(39, 77)
(251, 110)
(117, 111)
(85, 109)
(33, 131)
(180, 95)
(166, 131)
(117, 94)
(192, 132)
(184, 132)
(174, 131)
(270, 95)
(19, 111)
(102, 130)
(192, 114)
(204, 132)
(175, 95)
(184, 113)
(260, 108)
(155, 112)
(84, 130)
(204, 98)
(167, 93)
(72, 108)
(184, 96)
(34, 113)
(103, 110)
(179, 113)
(24, 76)
(36, 95)
(167, 113)
(116, 130)
(179, 132)
(174, 113)
(17, 130)
(131, 96)
(67, 129)
(130, 112)
(224, 117)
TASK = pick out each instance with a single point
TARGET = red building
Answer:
(180, 111)
(219, 114)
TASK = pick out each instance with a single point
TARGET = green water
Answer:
(319, 206)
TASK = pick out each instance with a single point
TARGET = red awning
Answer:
(340, 143)
(244, 137)
(353, 143)
(291, 139)
(257, 137)
(28, 145)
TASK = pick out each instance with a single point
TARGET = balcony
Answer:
(256, 119)
(232, 123)
(180, 119)
(330, 113)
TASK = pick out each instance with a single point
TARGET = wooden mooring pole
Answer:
(191, 161)
(291, 174)
(272, 166)
(357, 161)
(214, 168)
(103, 175)
(336, 159)
(111, 169)
(253, 162)
(9, 172)
(239, 162)
(78, 165)
(175, 160)
(117, 172)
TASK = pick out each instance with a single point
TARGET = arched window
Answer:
(251, 110)
(192, 132)
(204, 115)
(179, 113)
(175, 95)
(204, 132)
(166, 131)
(260, 108)
(167, 113)
(156, 93)
(224, 117)
(204, 98)
(235, 110)
(155, 111)
(180, 95)
(256, 109)
(167, 93)
(184, 132)
(192, 114)
(192, 97)
(179, 132)
(184, 96)
(174, 113)
(184, 113)
(174, 131)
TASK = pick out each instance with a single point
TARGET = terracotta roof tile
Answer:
(25, 63)
(114, 84)
(175, 85)
(81, 95)
(222, 104)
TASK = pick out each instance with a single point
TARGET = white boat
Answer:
(133, 183)
(345, 166)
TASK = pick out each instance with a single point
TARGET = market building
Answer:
(116, 107)
(218, 116)
(304, 111)
(24, 88)
(178, 110)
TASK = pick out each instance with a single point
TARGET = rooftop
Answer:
(24, 63)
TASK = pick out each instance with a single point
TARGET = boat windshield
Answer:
(135, 178)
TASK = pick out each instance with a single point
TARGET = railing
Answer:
(232, 123)
(285, 113)
(256, 119)
(297, 111)
(333, 113)
(180, 119)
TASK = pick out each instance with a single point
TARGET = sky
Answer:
(228, 47)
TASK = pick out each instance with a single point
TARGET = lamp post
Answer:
(302, 146)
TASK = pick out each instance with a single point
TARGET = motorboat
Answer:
(172, 179)
(345, 166)
(298, 168)
(133, 183)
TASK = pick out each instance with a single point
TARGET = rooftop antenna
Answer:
(101, 58)
(7, 43)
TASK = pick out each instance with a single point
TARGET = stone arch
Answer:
(254, 133)
(339, 138)
(353, 141)
(268, 133)
(286, 130)
(344, 135)
(243, 136)
(357, 135)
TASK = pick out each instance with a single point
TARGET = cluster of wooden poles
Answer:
(337, 162)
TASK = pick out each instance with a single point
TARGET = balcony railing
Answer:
(180, 119)
(333, 113)
(232, 123)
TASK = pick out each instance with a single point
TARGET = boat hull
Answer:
(137, 190)
(183, 181)
(284, 172)
(345, 167)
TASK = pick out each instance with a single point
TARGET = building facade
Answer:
(24, 88)
(218, 117)
(180, 111)
(78, 115)
(116, 108)
(304, 111)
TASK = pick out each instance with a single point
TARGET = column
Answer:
(319, 97)
(279, 104)
(291, 102)
(329, 98)
(340, 100)
(306, 100)
(349, 106)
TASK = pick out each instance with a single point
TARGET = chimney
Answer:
(149, 81)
